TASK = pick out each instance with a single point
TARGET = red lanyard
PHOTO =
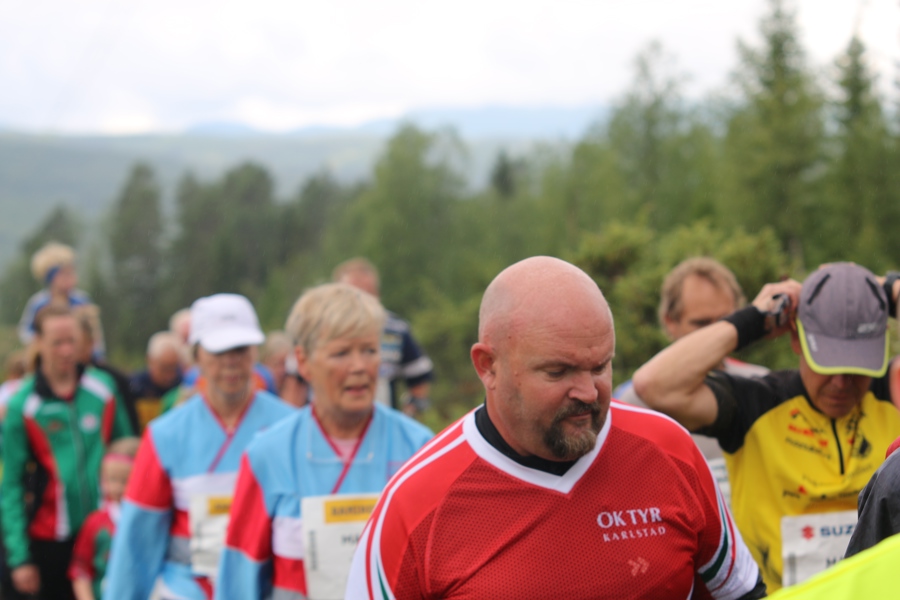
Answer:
(229, 433)
(348, 462)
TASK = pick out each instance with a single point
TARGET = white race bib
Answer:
(331, 527)
(208, 516)
(812, 543)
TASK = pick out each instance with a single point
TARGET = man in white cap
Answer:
(175, 511)
(801, 444)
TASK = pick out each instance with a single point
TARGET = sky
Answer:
(136, 66)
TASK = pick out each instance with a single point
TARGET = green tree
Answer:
(227, 238)
(188, 255)
(306, 218)
(655, 160)
(244, 248)
(404, 222)
(629, 263)
(133, 311)
(862, 207)
(775, 138)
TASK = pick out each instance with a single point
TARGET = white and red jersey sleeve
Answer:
(389, 562)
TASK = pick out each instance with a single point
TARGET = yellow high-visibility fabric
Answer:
(871, 575)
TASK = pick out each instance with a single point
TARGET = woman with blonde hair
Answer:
(337, 451)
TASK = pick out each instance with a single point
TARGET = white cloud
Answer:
(120, 66)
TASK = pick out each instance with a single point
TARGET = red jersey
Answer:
(640, 516)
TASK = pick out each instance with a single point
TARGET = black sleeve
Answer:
(742, 400)
(415, 366)
(879, 507)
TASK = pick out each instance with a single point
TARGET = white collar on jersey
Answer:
(560, 483)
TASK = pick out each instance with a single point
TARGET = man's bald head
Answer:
(544, 355)
(529, 289)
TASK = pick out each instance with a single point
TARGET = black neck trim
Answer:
(42, 386)
(489, 432)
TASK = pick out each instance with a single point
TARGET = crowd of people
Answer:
(242, 465)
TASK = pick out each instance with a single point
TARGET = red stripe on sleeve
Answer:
(149, 484)
(250, 529)
(109, 419)
(206, 585)
(181, 523)
(288, 574)
(43, 526)
(403, 506)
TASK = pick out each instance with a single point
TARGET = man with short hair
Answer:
(176, 506)
(799, 445)
(163, 373)
(55, 433)
(401, 356)
(550, 489)
(698, 292)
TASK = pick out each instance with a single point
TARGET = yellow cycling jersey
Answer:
(871, 575)
(785, 458)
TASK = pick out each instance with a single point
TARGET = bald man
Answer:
(551, 489)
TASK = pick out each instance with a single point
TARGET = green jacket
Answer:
(54, 447)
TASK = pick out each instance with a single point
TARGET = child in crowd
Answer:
(94, 541)
(54, 267)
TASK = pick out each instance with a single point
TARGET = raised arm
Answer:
(672, 382)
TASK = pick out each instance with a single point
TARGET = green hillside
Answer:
(85, 173)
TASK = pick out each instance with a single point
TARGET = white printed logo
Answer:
(640, 565)
(89, 423)
(866, 328)
(812, 342)
(631, 524)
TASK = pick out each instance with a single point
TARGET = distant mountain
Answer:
(545, 123)
(86, 172)
(550, 123)
(221, 128)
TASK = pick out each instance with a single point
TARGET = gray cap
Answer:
(842, 321)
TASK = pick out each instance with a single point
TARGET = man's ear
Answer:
(302, 362)
(669, 325)
(485, 363)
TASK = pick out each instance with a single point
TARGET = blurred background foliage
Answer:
(787, 170)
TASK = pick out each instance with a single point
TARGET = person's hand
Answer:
(26, 579)
(768, 300)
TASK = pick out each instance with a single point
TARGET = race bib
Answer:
(812, 543)
(208, 516)
(331, 528)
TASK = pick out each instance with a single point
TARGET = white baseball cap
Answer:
(223, 322)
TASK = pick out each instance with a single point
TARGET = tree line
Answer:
(783, 172)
